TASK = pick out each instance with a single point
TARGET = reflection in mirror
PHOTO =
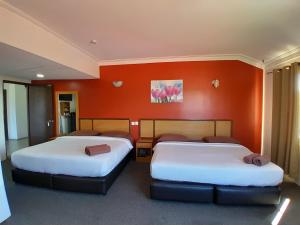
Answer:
(67, 109)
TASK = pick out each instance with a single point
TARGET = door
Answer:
(40, 113)
(5, 113)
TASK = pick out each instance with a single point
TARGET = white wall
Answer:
(21, 111)
(2, 133)
(17, 120)
(267, 113)
(11, 111)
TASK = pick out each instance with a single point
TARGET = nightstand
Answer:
(143, 149)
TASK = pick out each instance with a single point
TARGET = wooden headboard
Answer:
(194, 129)
(103, 125)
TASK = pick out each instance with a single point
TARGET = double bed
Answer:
(210, 163)
(215, 172)
(208, 172)
(62, 163)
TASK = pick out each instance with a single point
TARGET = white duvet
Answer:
(66, 155)
(210, 163)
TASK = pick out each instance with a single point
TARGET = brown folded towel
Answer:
(249, 158)
(97, 149)
(260, 161)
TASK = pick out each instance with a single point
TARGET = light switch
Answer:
(134, 123)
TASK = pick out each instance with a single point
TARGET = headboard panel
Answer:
(191, 129)
(85, 124)
(224, 128)
(194, 129)
(146, 128)
(103, 125)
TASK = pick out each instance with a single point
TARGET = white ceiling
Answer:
(132, 29)
(21, 64)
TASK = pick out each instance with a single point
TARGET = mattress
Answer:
(66, 156)
(210, 163)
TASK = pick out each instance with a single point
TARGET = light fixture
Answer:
(39, 75)
(287, 68)
(215, 83)
(93, 41)
(117, 83)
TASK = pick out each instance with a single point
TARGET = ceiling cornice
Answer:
(217, 57)
(284, 59)
(19, 12)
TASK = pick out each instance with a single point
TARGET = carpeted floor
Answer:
(128, 203)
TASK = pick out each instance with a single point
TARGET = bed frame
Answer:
(98, 185)
(209, 193)
(197, 192)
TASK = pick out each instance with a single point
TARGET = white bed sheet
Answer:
(220, 164)
(66, 155)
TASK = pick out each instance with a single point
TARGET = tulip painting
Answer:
(166, 91)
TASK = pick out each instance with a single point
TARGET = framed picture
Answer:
(166, 91)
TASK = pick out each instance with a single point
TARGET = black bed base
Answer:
(99, 185)
(208, 193)
(181, 191)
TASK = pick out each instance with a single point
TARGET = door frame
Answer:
(56, 106)
(5, 114)
(27, 89)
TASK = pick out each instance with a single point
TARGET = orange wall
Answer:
(239, 96)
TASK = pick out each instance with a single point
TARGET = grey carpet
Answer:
(128, 203)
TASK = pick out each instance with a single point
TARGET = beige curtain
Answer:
(285, 148)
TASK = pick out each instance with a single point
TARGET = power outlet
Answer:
(134, 123)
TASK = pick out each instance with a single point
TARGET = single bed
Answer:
(208, 172)
(62, 163)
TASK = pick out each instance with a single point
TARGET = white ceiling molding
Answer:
(283, 60)
(240, 57)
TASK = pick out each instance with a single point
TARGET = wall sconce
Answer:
(117, 83)
(215, 83)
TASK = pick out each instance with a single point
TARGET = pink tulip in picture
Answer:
(166, 91)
